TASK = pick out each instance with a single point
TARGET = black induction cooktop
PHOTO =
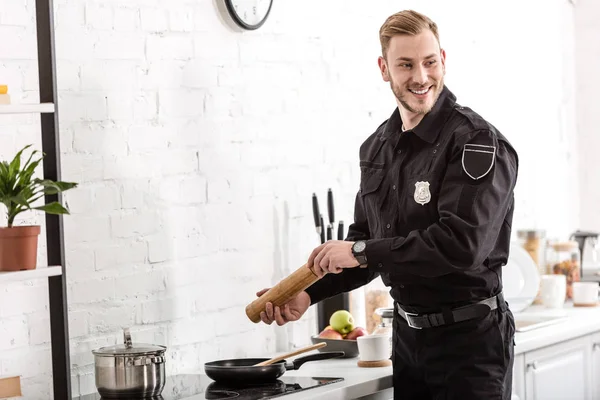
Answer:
(196, 387)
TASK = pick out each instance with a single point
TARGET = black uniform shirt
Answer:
(435, 205)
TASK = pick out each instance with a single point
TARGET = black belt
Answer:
(464, 313)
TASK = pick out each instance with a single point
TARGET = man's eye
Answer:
(405, 65)
(431, 62)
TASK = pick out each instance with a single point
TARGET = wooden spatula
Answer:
(291, 354)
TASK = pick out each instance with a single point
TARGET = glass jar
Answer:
(385, 327)
(564, 258)
(533, 242)
(358, 307)
(377, 295)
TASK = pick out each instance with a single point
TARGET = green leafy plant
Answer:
(19, 190)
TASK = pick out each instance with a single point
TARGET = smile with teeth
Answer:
(423, 91)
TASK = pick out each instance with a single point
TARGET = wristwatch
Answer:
(358, 250)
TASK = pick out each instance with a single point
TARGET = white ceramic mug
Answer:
(373, 347)
(553, 290)
(585, 293)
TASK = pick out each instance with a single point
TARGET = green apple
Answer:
(342, 321)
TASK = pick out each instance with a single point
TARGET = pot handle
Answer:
(326, 355)
(127, 338)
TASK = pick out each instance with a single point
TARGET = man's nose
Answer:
(420, 75)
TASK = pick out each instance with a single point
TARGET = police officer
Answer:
(433, 219)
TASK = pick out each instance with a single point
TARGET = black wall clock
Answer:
(249, 14)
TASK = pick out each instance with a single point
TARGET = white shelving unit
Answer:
(26, 108)
(47, 111)
(38, 273)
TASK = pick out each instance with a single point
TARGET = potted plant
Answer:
(19, 191)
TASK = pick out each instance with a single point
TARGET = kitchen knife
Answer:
(340, 235)
(329, 232)
(316, 213)
(322, 231)
(330, 209)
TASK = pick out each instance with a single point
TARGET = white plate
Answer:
(520, 279)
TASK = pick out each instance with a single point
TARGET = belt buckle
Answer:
(408, 320)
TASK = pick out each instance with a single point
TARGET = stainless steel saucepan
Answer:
(135, 371)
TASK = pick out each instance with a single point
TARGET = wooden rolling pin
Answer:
(281, 293)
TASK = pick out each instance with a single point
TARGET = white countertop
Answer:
(364, 381)
(579, 321)
(357, 381)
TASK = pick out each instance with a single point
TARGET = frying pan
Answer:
(244, 370)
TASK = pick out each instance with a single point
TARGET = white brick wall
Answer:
(198, 146)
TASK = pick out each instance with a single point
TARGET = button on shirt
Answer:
(435, 206)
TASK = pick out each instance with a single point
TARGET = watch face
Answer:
(249, 14)
(359, 246)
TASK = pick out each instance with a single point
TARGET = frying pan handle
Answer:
(326, 355)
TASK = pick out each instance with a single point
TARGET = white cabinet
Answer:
(518, 380)
(561, 371)
(595, 368)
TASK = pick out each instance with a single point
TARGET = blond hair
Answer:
(407, 22)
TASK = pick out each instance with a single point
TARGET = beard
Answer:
(414, 105)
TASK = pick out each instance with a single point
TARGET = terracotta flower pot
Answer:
(18, 247)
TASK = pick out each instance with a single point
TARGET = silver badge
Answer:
(422, 194)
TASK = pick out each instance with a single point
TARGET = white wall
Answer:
(198, 146)
(588, 118)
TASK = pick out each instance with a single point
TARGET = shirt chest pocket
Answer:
(371, 191)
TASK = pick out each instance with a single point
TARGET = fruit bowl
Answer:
(350, 347)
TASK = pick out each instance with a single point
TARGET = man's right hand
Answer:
(291, 311)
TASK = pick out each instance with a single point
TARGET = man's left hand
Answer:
(332, 257)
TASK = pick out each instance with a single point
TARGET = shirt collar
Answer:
(431, 124)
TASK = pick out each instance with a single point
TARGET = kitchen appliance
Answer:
(128, 370)
(243, 371)
(200, 386)
(589, 247)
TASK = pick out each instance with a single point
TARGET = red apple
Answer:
(356, 332)
(330, 334)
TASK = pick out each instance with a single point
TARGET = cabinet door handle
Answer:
(595, 346)
(532, 365)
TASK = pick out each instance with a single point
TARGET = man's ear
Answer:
(443, 58)
(385, 74)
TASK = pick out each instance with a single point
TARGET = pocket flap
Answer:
(371, 179)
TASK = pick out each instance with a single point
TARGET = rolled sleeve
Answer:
(378, 253)
(349, 279)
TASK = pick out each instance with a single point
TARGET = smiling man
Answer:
(433, 219)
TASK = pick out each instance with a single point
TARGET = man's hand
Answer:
(332, 257)
(291, 311)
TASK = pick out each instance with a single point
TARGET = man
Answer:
(433, 218)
